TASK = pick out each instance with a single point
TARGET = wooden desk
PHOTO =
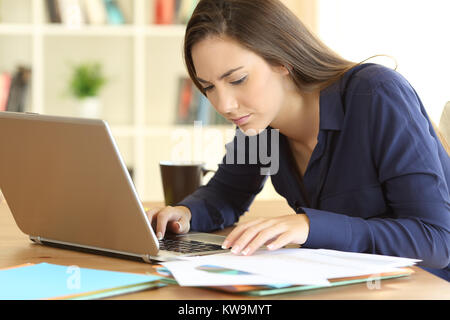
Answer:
(16, 248)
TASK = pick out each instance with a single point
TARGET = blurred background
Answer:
(121, 60)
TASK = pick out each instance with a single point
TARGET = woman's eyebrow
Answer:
(226, 74)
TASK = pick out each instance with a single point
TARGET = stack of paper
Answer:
(49, 281)
(283, 267)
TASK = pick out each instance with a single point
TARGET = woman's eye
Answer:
(239, 81)
(208, 88)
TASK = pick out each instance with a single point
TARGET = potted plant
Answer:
(85, 84)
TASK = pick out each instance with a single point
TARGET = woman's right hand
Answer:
(174, 219)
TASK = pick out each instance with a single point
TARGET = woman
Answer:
(359, 161)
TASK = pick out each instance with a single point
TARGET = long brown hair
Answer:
(271, 30)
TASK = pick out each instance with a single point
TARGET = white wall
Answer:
(415, 32)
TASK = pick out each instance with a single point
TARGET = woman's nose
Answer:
(226, 103)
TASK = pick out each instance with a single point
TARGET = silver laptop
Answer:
(68, 187)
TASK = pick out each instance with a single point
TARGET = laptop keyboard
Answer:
(187, 246)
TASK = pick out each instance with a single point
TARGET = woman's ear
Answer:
(283, 70)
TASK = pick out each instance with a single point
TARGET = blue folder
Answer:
(49, 281)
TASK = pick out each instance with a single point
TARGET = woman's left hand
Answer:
(277, 232)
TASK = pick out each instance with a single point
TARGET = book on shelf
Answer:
(185, 10)
(5, 84)
(95, 12)
(15, 88)
(71, 12)
(126, 7)
(113, 12)
(164, 11)
(53, 11)
(173, 11)
(192, 106)
(76, 13)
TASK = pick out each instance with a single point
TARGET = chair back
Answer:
(443, 130)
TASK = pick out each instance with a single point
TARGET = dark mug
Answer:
(180, 179)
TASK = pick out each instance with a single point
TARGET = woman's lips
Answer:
(241, 121)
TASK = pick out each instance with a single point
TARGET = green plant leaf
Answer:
(87, 79)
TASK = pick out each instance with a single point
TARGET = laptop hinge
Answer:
(146, 258)
(36, 239)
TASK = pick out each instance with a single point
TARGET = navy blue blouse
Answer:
(377, 181)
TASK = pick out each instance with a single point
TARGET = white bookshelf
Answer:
(143, 63)
(95, 31)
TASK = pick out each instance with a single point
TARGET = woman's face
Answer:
(240, 85)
